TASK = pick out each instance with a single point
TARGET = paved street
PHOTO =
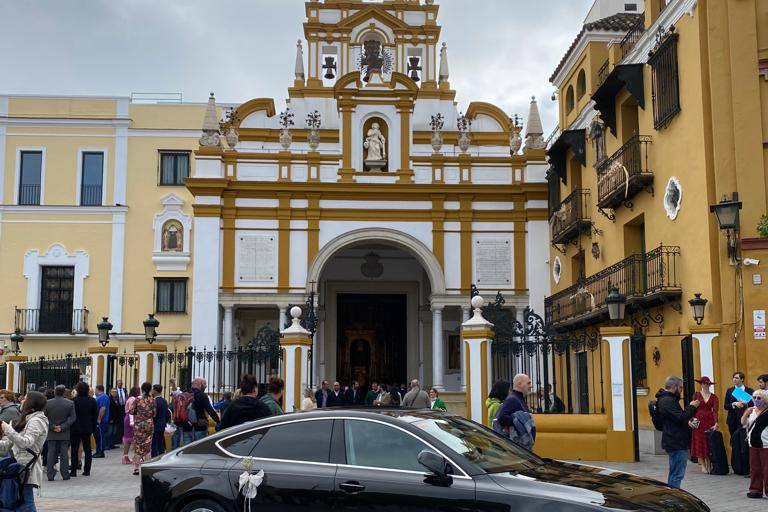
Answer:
(112, 484)
(721, 493)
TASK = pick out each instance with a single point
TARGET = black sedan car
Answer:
(386, 460)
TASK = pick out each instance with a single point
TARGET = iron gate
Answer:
(49, 372)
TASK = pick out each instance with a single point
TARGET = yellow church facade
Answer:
(663, 117)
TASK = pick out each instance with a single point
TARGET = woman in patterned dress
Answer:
(143, 411)
(706, 413)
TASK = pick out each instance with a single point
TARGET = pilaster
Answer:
(476, 334)
(100, 365)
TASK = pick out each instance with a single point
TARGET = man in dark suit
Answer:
(336, 397)
(61, 416)
(122, 397)
(355, 395)
(160, 421)
(734, 406)
(321, 395)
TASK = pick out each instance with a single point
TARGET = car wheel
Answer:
(203, 506)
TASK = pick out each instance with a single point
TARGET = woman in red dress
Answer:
(706, 415)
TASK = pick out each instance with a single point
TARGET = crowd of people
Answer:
(379, 394)
(692, 432)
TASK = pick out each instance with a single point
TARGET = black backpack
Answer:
(653, 410)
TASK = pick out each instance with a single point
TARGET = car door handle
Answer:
(352, 487)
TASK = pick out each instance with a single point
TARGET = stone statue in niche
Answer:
(173, 235)
(375, 143)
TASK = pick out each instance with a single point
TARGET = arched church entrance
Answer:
(373, 289)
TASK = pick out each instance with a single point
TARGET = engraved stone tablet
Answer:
(493, 261)
(256, 258)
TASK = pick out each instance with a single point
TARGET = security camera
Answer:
(748, 262)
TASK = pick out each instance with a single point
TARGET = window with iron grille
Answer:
(639, 366)
(666, 82)
(30, 177)
(174, 167)
(170, 295)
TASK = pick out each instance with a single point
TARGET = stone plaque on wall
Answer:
(493, 261)
(256, 258)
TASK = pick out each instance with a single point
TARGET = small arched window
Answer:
(569, 101)
(581, 84)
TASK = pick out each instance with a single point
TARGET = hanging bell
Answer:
(330, 68)
(414, 67)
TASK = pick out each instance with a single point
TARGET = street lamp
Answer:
(16, 340)
(697, 307)
(150, 328)
(617, 304)
(104, 327)
(727, 213)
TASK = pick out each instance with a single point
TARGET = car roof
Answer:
(393, 415)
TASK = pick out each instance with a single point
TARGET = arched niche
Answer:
(384, 129)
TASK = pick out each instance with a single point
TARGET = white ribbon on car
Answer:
(249, 482)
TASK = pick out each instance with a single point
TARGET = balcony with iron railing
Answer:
(29, 194)
(630, 39)
(90, 195)
(571, 217)
(602, 73)
(647, 280)
(51, 321)
(625, 173)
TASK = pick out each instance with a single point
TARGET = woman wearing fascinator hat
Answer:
(704, 421)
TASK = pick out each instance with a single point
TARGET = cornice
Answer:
(67, 209)
(597, 36)
(668, 17)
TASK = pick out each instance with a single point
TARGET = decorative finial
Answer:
(299, 71)
(534, 138)
(210, 137)
(444, 75)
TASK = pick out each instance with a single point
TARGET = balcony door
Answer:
(56, 296)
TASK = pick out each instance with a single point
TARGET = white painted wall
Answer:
(331, 229)
(537, 263)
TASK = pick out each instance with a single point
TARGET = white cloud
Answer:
(501, 51)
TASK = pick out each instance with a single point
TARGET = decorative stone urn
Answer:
(464, 141)
(515, 141)
(313, 139)
(437, 141)
(286, 138)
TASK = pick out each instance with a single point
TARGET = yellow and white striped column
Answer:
(13, 372)
(149, 363)
(295, 344)
(100, 364)
(476, 334)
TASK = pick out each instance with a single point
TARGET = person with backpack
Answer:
(672, 420)
(180, 406)
(514, 416)
(29, 433)
(198, 411)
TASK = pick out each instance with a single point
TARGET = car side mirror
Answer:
(434, 463)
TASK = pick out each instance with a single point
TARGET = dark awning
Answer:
(569, 139)
(623, 75)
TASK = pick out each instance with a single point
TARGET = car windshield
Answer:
(480, 446)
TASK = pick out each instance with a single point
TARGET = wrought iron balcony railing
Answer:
(90, 195)
(602, 73)
(53, 321)
(630, 39)
(623, 174)
(645, 279)
(29, 194)
(571, 217)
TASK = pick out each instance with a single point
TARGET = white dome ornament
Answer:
(249, 482)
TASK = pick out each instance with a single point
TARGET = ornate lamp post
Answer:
(104, 327)
(16, 340)
(698, 305)
(727, 213)
(617, 304)
(150, 328)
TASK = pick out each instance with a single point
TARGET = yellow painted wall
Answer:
(62, 107)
